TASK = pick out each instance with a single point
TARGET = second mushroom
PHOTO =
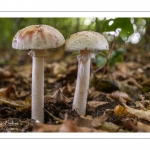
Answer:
(38, 38)
(86, 42)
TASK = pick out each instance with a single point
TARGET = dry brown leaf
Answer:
(128, 72)
(146, 82)
(141, 114)
(84, 121)
(122, 71)
(23, 94)
(10, 103)
(51, 80)
(129, 124)
(130, 89)
(148, 105)
(24, 71)
(5, 74)
(98, 121)
(118, 94)
(127, 111)
(132, 65)
(140, 105)
(56, 68)
(68, 90)
(9, 92)
(142, 127)
(134, 82)
(95, 104)
(122, 67)
(121, 111)
(68, 126)
(94, 95)
(86, 129)
(110, 127)
(46, 128)
(60, 97)
(119, 75)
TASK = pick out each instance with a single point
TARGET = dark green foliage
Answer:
(100, 60)
(117, 56)
(68, 26)
(123, 23)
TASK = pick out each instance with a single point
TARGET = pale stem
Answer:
(38, 84)
(82, 85)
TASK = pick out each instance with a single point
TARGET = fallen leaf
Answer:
(60, 97)
(129, 124)
(9, 92)
(129, 89)
(95, 104)
(98, 121)
(118, 94)
(141, 127)
(84, 121)
(68, 126)
(39, 127)
(86, 129)
(111, 127)
(141, 114)
(140, 105)
(95, 95)
(11, 103)
(5, 74)
(134, 82)
(121, 111)
(132, 65)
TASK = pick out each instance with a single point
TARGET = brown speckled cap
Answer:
(86, 40)
(37, 37)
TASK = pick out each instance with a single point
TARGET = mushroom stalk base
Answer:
(82, 85)
(38, 88)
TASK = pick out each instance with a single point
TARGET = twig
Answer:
(103, 65)
(6, 102)
(106, 66)
(55, 118)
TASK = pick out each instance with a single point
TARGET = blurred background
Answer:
(120, 32)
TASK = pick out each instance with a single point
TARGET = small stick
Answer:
(106, 66)
(55, 118)
(12, 104)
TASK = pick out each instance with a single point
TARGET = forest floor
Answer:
(118, 100)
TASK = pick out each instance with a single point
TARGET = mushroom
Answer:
(37, 38)
(86, 42)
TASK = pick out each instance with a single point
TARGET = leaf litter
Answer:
(118, 101)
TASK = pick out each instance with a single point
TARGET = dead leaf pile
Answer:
(118, 98)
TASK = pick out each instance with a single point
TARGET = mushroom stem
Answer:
(82, 85)
(38, 88)
(38, 84)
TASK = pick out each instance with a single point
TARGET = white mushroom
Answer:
(38, 38)
(86, 42)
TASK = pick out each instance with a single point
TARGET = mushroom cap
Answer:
(37, 37)
(86, 40)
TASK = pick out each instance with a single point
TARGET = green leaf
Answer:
(123, 23)
(117, 56)
(100, 60)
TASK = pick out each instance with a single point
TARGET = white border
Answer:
(74, 5)
(58, 135)
(57, 14)
(81, 8)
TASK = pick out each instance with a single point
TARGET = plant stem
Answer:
(38, 88)
(82, 85)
